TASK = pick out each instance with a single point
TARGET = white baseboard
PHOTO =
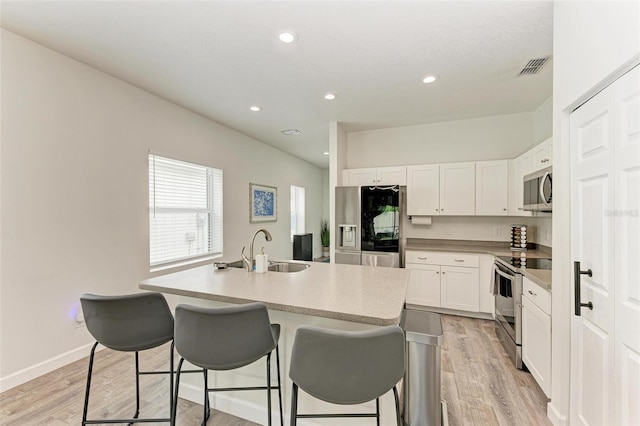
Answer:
(554, 415)
(44, 367)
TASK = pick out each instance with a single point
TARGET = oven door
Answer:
(507, 298)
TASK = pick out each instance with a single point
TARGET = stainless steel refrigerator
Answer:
(367, 227)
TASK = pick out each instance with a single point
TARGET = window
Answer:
(185, 212)
(297, 211)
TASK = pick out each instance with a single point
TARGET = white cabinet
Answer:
(459, 288)
(492, 188)
(458, 189)
(542, 155)
(447, 280)
(424, 285)
(536, 333)
(423, 190)
(375, 176)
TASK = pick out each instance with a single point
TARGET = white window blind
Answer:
(297, 210)
(185, 211)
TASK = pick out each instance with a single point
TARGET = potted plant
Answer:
(325, 238)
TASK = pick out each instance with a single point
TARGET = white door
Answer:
(604, 172)
(423, 190)
(492, 187)
(458, 189)
(459, 288)
(392, 175)
(362, 177)
(424, 285)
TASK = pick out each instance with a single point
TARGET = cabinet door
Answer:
(424, 285)
(392, 175)
(458, 189)
(536, 343)
(542, 155)
(423, 190)
(459, 288)
(492, 180)
(362, 177)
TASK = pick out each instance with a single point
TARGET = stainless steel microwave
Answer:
(538, 191)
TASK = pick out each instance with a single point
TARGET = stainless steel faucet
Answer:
(248, 262)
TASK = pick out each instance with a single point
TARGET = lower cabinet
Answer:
(536, 333)
(437, 281)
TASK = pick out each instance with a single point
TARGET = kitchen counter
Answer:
(340, 297)
(493, 248)
(365, 295)
(541, 277)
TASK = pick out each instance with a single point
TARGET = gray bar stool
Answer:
(129, 323)
(224, 339)
(347, 367)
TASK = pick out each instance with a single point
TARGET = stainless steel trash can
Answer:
(421, 384)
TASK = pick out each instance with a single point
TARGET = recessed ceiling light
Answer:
(326, 153)
(288, 37)
(430, 79)
(330, 96)
(255, 108)
(291, 132)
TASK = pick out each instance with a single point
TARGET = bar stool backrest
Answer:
(223, 338)
(347, 367)
(132, 322)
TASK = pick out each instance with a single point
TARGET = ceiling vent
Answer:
(291, 132)
(533, 66)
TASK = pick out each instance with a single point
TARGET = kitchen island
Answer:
(345, 297)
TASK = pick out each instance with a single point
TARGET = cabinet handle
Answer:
(521, 208)
(459, 260)
(577, 272)
(532, 293)
(443, 273)
(422, 258)
(504, 210)
(437, 209)
(438, 272)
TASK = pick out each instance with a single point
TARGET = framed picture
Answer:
(262, 203)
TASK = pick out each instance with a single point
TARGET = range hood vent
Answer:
(533, 66)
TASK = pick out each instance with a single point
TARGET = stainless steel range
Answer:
(507, 288)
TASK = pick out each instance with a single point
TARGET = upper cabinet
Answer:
(457, 189)
(492, 181)
(441, 189)
(375, 176)
(542, 155)
(423, 190)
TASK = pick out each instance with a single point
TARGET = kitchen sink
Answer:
(275, 266)
(287, 267)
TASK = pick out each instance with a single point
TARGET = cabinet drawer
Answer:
(422, 257)
(539, 296)
(466, 260)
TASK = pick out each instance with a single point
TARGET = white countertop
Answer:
(364, 294)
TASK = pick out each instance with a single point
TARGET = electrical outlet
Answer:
(79, 319)
(447, 230)
(497, 231)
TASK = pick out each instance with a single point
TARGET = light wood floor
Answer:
(479, 383)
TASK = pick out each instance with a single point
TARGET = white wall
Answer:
(543, 121)
(486, 138)
(592, 42)
(74, 189)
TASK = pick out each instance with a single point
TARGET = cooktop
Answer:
(525, 262)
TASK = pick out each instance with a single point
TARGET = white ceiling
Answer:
(217, 58)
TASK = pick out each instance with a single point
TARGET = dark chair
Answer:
(346, 367)
(224, 339)
(129, 323)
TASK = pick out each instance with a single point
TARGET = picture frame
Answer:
(263, 203)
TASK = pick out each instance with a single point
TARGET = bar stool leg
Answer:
(294, 405)
(174, 407)
(378, 411)
(86, 394)
(397, 400)
(137, 413)
(279, 386)
(171, 382)
(269, 389)
(206, 397)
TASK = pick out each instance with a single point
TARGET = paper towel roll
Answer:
(421, 220)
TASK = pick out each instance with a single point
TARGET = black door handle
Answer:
(576, 282)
